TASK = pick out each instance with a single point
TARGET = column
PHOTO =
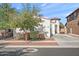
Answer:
(53, 29)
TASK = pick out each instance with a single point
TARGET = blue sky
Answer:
(50, 10)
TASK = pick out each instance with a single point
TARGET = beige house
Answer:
(73, 22)
(63, 30)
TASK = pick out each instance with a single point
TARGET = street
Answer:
(67, 46)
(42, 52)
(54, 52)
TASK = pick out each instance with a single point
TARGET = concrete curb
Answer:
(25, 41)
(22, 46)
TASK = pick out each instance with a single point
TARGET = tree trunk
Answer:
(14, 33)
(26, 36)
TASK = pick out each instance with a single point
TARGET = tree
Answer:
(7, 15)
(61, 25)
(26, 19)
(29, 17)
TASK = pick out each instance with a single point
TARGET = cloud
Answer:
(45, 4)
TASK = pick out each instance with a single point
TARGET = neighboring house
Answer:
(73, 22)
(63, 30)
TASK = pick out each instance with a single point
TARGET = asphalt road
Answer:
(44, 52)
(54, 52)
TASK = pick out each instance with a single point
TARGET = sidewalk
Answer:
(57, 43)
(19, 43)
(74, 35)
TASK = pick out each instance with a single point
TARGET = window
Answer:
(74, 16)
(68, 19)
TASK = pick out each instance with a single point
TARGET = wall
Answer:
(46, 25)
(74, 26)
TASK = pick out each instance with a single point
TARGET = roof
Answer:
(72, 12)
(43, 17)
(55, 18)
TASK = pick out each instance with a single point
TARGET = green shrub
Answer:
(34, 35)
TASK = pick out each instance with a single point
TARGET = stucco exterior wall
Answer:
(46, 25)
(55, 24)
(49, 27)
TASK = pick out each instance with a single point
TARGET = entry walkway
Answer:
(66, 40)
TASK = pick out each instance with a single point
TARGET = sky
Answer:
(51, 10)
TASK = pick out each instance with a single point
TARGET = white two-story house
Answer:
(49, 27)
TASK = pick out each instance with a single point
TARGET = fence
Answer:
(4, 34)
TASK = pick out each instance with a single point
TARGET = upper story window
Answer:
(68, 19)
(75, 16)
(72, 17)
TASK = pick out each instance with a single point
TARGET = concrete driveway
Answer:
(66, 40)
